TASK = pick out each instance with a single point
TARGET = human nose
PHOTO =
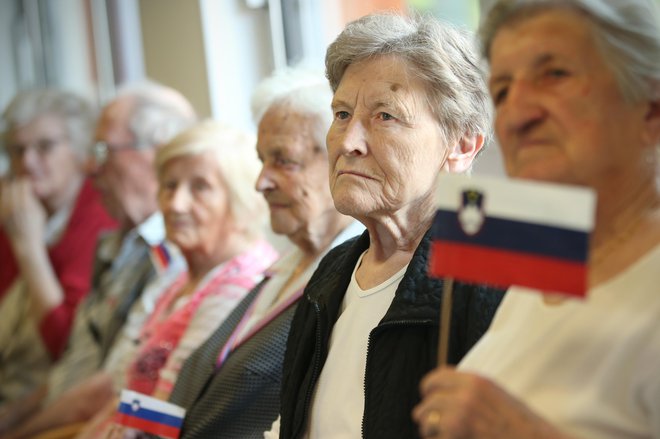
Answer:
(521, 109)
(180, 199)
(350, 141)
(264, 181)
(26, 159)
(92, 166)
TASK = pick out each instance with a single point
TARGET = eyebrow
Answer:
(539, 61)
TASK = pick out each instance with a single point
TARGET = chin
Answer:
(350, 208)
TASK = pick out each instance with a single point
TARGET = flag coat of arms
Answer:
(150, 415)
(512, 232)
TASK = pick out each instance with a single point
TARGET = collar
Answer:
(288, 262)
(152, 230)
(115, 245)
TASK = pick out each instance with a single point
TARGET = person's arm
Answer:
(80, 403)
(13, 414)
(24, 219)
(458, 404)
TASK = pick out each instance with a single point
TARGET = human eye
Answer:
(342, 115)
(44, 146)
(499, 95)
(200, 185)
(283, 161)
(16, 150)
(383, 115)
(556, 72)
(167, 185)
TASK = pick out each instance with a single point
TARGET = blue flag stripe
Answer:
(515, 236)
(151, 415)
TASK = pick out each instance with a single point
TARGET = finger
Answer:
(439, 378)
(438, 401)
(431, 426)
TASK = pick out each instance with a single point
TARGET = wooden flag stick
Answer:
(445, 321)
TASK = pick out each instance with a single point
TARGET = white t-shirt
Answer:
(338, 401)
(591, 367)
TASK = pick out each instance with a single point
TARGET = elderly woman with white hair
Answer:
(409, 103)
(50, 219)
(576, 86)
(230, 386)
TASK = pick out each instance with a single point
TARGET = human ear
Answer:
(651, 135)
(463, 153)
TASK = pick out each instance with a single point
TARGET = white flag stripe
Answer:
(154, 404)
(570, 207)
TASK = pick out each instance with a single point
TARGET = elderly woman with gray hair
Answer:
(50, 218)
(576, 87)
(409, 103)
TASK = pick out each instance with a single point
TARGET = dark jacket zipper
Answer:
(366, 368)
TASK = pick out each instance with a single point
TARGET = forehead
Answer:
(553, 33)
(204, 164)
(384, 74)
(44, 126)
(114, 119)
(282, 129)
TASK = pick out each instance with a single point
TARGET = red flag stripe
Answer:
(503, 268)
(148, 426)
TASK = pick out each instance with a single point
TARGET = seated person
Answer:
(575, 86)
(409, 103)
(131, 126)
(230, 386)
(217, 219)
(50, 221)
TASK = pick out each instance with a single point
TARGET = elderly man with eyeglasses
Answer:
(141, 117)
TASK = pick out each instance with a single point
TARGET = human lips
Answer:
(274, 203)
(178, 222)
(353, 173)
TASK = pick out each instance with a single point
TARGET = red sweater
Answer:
(72, 258)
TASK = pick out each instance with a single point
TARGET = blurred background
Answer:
(213, 51)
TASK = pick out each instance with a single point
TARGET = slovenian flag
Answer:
(161, 257)
(150, 415)
(512, 232)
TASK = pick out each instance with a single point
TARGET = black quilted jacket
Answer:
(402, 348)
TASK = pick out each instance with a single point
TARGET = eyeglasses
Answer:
(101, 151)
(42, 147)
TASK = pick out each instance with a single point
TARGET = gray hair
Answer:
(237, 163)
(626, 31)
(443, 56)
(159, 112)
(76, 113)
(301, 90)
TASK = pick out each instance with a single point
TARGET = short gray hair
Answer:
(302, 90)
(76, 113)
(627, 32)
(159, 112)
(443, 56)
(237, 163)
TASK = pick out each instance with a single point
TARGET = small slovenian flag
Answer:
(149, 414)
(161, 257)
(512, 232)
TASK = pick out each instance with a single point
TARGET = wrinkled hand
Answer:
(21, 214)
(458, 405)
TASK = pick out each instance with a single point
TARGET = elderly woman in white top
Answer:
(576, 85)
